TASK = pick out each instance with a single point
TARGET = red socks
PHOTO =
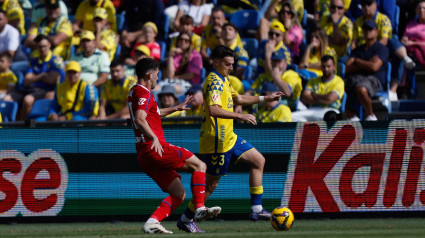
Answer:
(197, 184)
(167, 206)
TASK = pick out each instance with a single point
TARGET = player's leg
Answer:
(196, 207)
(167, 206)
(256, 161)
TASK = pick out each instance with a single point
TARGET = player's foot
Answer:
(188, 226)
(262, 215)
(203, 213)
(155, 228)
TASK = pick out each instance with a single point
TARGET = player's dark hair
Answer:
(7, 55)
(231, 25)
(145, 65)
(39, 38)
(326, 58)
(221, 51)
(115, 63)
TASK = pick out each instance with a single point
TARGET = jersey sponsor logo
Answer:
(142, 101)
(215, 97)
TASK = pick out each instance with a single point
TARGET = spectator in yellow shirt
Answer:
(14, 13)
(85, 14)
(8, 79)
(58, 28)
(272, 111)
(106, 39)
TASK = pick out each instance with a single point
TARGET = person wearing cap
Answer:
(148, 37)
(75, 99)
(310, 64)
(93, 61)
(44, 72)
(366, 72)
(168, 99)
(85, 14)
(288, 81)
(57, 27)
(106, 39)
(38, 11)
(196, 105)
(322, 94)
(114, 96)
(14, 14)
(272, 111)
(267, 47)
(229, 34)
(398, 52)
(338, 27)
(141, 51)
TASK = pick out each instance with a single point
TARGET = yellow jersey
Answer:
(7, 79)
(108, 38)
(85, 13)
(293, 80)
(315, 58)
(14, 11)
(345, 26)
(318, 86)
(117, 93)
(217, 134)
(210, 40)
(62, 24)
(384, 28)
(236, 84)
(87, 102)
(279, 113)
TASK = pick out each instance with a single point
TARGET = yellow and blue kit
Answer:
(14, 11)
(261, 56)
(52, 63)
(279, 113)
(315, 58)
(7, 79)
(210, 40)
(335, 84)
(116, 94)
(85, 13)
(345, 26)
(241, 56)
(384, 27)
(87, 103)
(62, 24)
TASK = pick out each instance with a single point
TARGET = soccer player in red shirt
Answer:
(160, 160)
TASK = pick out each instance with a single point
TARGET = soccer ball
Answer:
(282, 218)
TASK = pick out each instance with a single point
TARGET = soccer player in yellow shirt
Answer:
(218, 143)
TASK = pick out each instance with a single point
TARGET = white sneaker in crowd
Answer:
(393, 96)
(354, 118)
(371, 118)
(409, 64)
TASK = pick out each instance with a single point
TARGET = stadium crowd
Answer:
(330, 58)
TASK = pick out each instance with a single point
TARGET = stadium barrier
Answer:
(313, 168)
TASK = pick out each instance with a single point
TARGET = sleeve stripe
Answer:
(147, 104)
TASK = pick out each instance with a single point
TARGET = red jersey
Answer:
(141, 98)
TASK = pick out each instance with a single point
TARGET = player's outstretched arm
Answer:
(247, 100)
(181, 107)
(217, 111)
(145, 128)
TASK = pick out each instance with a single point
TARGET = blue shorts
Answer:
(218, 164)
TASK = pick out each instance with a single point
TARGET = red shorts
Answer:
(163, 169)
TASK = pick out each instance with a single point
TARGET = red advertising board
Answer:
(334, 171)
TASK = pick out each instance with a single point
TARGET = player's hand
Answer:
(249, 118)
(156, 146)
(276, 96)
(186, 102)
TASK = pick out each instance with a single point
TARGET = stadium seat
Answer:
(120, 18)
(396, 22)
(71, 18)
(343, 101)
(41, 109)
(304, 20)
(19, 67)
(159, 75)
(20, 84)
(246, 20)
(251, 46)
(164, 27)
(163, 46)
(8, 111)
(203, 74)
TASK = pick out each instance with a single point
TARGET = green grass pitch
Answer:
(391, 227)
